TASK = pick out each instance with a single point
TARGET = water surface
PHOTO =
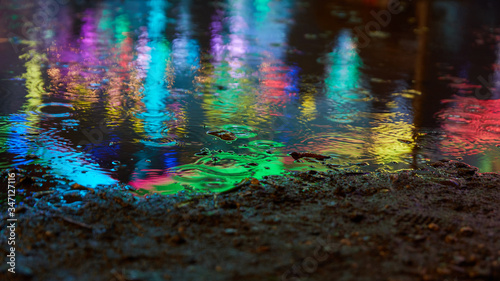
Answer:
(125, 91)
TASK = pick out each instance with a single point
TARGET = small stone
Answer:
(263, 249)
(356, 217)
(345, 242)
(24, 270)
(419, 238)
(481, 271)
(331, 204)
(310, 36)
(466, 231)
(237, 242)
(78, 186)
(443, 271)
(472, 259)
(433, 226)
(458, 260)
(176, 240)
(40, 194)
(230, 231)
(427, 277)
(223, 135)
(450, 239)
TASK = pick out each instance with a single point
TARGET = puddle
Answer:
(172, 96)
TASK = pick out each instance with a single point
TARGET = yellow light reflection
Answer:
(390, 140)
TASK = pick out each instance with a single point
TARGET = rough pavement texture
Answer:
(437, 223)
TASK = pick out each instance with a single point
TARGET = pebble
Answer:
(458, 259)
(177, 240)
(40, 194)
(450, 239)
(466, 231)
(345, 242)
(24, 270)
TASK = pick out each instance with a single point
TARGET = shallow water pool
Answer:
(198, 95)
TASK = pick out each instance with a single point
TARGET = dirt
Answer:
(440, 222)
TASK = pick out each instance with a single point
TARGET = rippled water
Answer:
(198, 95)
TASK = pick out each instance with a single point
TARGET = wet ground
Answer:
(126, 91)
